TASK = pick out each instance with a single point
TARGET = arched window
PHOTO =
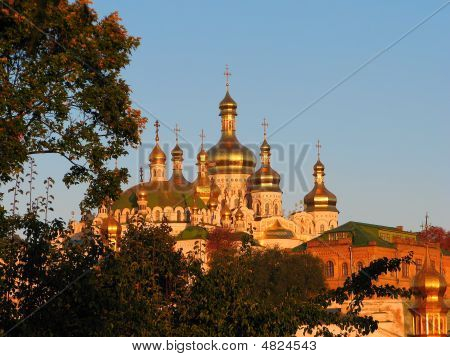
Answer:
(178, 216)
(157, 216)
(275, 209)
(344, 269)
(322, 228)
(329, 269)
(405, 270)
(359, 266)
(258, 209)
(418, 265)
(266, 209)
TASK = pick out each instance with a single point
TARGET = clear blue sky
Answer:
(385, 132)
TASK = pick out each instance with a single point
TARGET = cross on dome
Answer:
(227, 75)
(265, 125)
(157, 125)
(202, 137)
(318, 146)
(177, 131)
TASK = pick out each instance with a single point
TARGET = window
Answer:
(418, 265)
(267, 209)
(178, 216)
(329, 269)
(359, 266)
(405, 270)
(344, 269)
(322, 228)
(275, 209)
(157, 216)
(258, 209)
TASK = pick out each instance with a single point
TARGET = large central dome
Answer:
(229, 156)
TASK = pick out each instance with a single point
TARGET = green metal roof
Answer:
(159, 194)
(363, 234)
(193, 232)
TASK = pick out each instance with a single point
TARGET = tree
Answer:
(36, 269)
(433, 234)
(274, 293)
(55, 286)
(61, 91)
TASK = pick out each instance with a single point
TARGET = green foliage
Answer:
(51, 285)
(62, 93)
(251, 294)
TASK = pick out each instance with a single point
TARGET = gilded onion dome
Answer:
(214, 194)
(142, 193)
(277, 231)
(265, 178)
(178, 180)
(157, 155)
(202, 184)
(239, 214)
(110, 227)
(319, 198)
(225, 212)
(229, 155)
(429, 284)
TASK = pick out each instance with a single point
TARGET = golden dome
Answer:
(142, 194)
(157, 155)
(227, 104)
(202, 156)
(229, 155)
(213, 202)
(277, 231)
(110, 227)
(225, 212)
(429, 283)
(177, 153)
(319, 198)
(239, 214)
(265, 178)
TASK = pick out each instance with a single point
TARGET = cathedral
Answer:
(229, 191)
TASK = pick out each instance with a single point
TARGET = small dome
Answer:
(264, 179)
(157, 156)
(177, 153)
(277, 231)
(319, 198)
(319, 166)
(225, 212)
(142, 194)
(202, 156)
(227, 102)
(239, 214)
(213, 202)
(265, 146)
(110, 227)
(429, 283)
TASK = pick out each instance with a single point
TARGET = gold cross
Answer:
(202, 136)
(177, 131)
(227, 75)
(318, 146)
(141, 174)
(265, 125)
(157, 130)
